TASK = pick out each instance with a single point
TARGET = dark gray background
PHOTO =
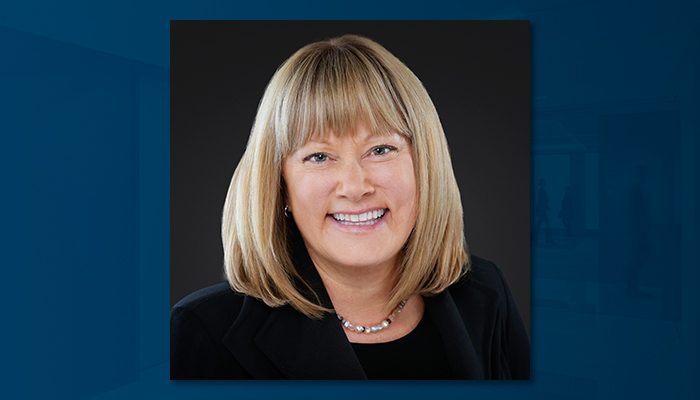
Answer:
(477, 74)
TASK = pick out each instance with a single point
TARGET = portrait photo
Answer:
(350, 200)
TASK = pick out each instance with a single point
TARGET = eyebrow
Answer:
(368, 138)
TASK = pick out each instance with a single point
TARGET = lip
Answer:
(349, 228)
(359, 211)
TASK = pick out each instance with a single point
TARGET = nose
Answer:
(354, 181)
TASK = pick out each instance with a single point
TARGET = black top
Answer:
(418, 355)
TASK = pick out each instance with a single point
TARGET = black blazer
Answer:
(219, 334)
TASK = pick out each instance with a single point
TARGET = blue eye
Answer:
(382, 150)
(316, 157)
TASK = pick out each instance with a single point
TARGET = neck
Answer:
(360, 294)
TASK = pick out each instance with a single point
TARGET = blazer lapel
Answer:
(240, 340)
(302, 348)
(459, 348)
(283, 343)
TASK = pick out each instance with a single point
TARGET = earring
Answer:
(286, 211)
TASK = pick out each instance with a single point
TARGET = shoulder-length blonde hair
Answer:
(332, 86)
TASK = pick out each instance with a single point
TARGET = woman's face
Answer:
(353, 199)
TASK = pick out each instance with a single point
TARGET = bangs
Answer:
(331, 89)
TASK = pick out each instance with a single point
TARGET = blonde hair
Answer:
(334, 85)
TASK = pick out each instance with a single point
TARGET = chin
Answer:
(361, 262)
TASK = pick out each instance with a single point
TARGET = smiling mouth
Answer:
(366, 218)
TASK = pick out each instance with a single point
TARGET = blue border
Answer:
(85, 162)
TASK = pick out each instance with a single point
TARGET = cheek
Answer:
(308, 192)
(400, 183)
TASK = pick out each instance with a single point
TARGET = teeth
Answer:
(368, 216)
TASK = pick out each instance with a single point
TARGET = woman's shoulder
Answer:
(489, 312)
(208, 296)
(213, 305)
(483, 275)
(198, 325)
(483, 287)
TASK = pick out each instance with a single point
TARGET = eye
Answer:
(316, 158)
(382, 150)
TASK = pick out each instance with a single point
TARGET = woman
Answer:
(343, 241)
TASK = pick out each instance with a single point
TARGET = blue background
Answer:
(84, 162)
